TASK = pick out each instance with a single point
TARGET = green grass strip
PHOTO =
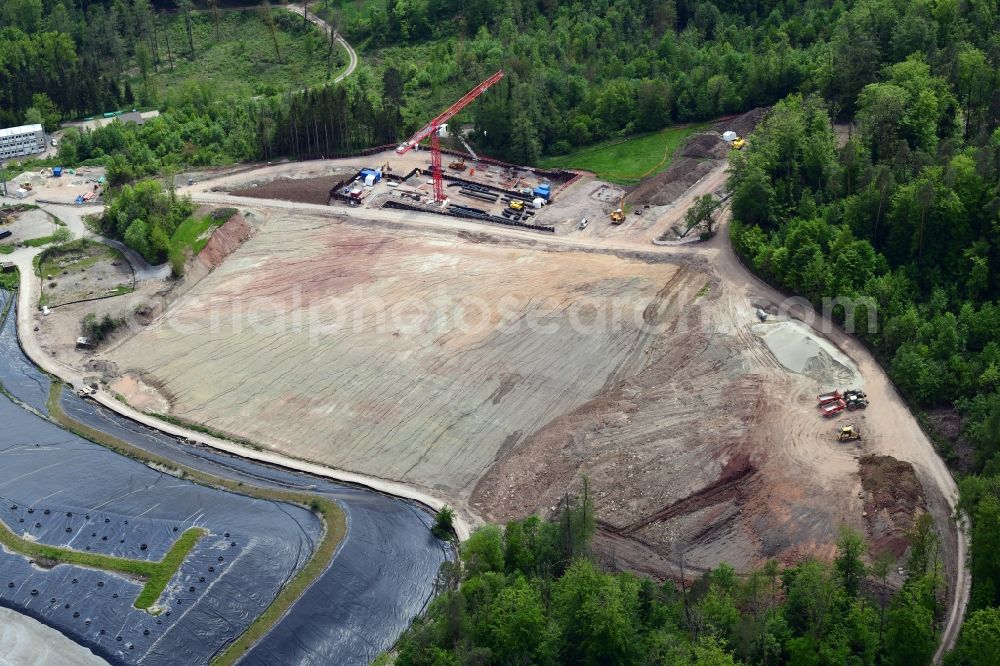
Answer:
(39, 242)
(334, 521)
(626, 161)
(168, 566)
(156, 574)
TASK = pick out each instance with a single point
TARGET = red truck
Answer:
(832, 408)
(826, 398)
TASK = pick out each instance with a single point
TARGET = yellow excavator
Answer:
(848, 434)
(618, 215)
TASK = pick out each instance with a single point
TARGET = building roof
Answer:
(23, 129)
(132, 117)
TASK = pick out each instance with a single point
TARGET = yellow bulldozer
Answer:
(618, 215)
(848, 434)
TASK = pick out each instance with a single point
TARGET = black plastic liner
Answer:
(18, 375)
(66, 491)
(382, 577)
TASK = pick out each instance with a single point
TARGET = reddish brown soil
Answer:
(725, 488)
(893, 498)
(678, 456)
(300, 190)
(226, 240)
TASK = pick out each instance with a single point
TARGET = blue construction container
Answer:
(543, 191)
(375, 173)
(57, 172)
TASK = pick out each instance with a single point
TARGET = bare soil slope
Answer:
(501, 375)
(711, 448)
(399, 355)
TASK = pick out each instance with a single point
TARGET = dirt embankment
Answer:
(141, 389)
(681, 449)
(138, 310)
(224, 241)
(699, 155)
(383, 352)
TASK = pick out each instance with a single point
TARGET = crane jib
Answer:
(448, 113)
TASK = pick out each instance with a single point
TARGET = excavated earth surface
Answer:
(409, 357)
(893, 498)
(711, 450)
(304, 190)
(499, 375)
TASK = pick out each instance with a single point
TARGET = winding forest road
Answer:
(317, 21)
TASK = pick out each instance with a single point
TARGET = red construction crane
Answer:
(432, 129)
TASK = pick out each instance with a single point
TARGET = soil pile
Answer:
(696, 158)
(744, 124)
(705, 146)
(301, 190)
(665, 188)
(893, 498)
(32, 177)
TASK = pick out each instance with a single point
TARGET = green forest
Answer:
(531, 594)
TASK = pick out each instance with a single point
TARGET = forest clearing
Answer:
(670, 326)
(500, 368)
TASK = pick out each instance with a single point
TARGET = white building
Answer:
(24, 140)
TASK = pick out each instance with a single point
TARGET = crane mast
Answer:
(433, 128)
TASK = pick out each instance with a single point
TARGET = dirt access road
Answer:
(792, 433)
(890, 415)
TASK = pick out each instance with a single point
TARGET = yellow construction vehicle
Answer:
(618, 215)
(848, 434)
(739, 143)
(517, 204)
